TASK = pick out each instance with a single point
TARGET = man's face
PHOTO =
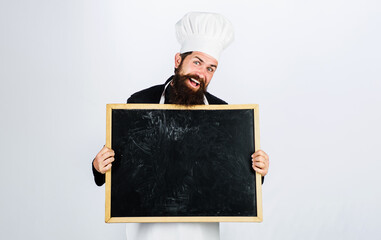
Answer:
(196, 64)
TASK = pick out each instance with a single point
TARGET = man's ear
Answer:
(177, 60)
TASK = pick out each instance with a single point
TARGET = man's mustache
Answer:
(193, 76)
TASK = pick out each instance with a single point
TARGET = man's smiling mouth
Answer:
(194, 82)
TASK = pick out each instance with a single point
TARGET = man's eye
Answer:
(210, 69)
(196, 62)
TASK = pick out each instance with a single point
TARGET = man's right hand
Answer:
(102, 162)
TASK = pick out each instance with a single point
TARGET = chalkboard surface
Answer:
(182, 162)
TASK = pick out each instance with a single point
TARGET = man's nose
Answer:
(201, 75)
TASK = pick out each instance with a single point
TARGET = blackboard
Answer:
(182, 164)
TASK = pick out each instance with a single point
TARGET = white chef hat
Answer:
(209, 33)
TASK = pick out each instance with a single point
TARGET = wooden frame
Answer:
(258, 179)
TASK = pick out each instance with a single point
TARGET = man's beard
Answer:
(182, 94)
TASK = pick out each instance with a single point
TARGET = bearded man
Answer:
(202, 36)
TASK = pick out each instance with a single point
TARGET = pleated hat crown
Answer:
(209, 33)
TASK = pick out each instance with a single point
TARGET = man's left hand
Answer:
(260, 162)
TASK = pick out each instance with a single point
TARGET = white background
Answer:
(312, 66)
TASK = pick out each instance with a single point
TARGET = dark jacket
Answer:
(150, 95)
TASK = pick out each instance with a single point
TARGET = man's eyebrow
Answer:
(212, 65)
(199, 59)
